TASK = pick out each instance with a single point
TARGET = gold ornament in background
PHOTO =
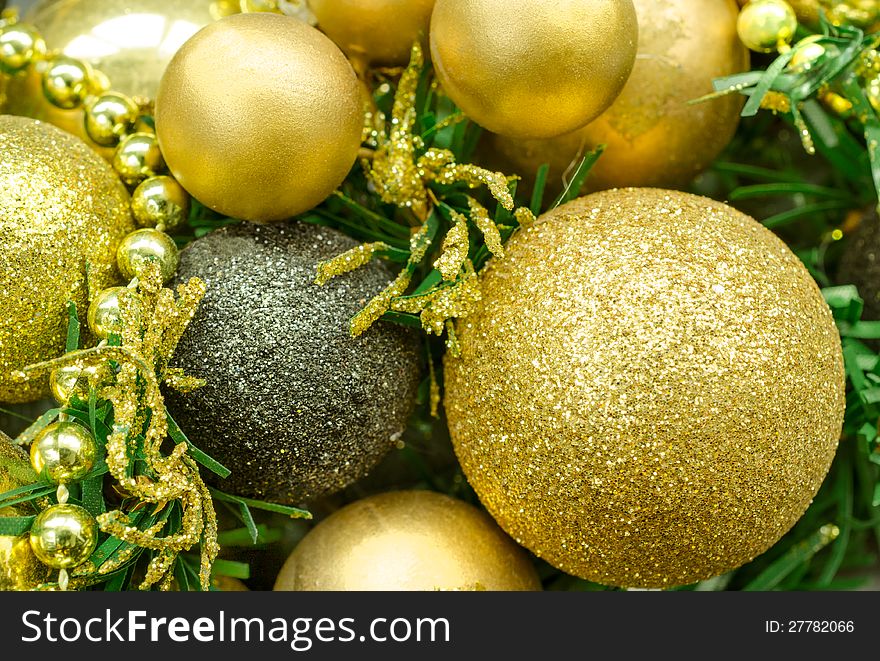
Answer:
(64, 536)
(533, 69)
(19, 567)
(766, 26)
(651, 390)
(653, 136)
(259, 116)
(406, 541)
(129, 41)
(377, 32)
(61, 207)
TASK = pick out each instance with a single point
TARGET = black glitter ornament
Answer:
(860, 265)
(293, 405)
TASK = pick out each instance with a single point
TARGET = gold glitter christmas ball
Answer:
(533, 69)
(653, 136)
(259, 116)
(64, 536)
(378, 32)
(19, 567)
(61, 206)
(407, 541)
(652, 390)
(130, 41)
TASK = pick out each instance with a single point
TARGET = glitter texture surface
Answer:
(60, 207)
(408, 540)
(293, 405)
(652, 390)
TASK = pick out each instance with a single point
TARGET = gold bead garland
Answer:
(138, 327)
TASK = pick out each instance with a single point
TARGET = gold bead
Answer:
(70, 380)
(110, 118)
(66, 82)
(63, 452)
(138, 157)
(105, 315)
(500, 61)
(160, 202)
(20, 45)
(806, 53)
(64, 536)
(147, 245)
(766, 25)
(872, 91)
(265, 6)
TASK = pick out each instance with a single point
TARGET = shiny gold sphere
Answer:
(765, 25)
(70, 380)
(160, 202)
(66, 82)
(378, 32)
(406, 541)
(111, 117)
(19, 567)
(105, 312)
(20, 45)
(806, 53)
(651, 391)
(64, 536)
(62, 207)
(533, 69)
(259, 116)
(145, 246)
(63, 452)
(131, 41)
(138, 157)
(653, 136)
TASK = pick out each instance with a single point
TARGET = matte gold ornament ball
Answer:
(259, 116)
(653, 136)
(377, 32)
(407, 541)
(19, 567)
(61, 206)
(652, 390)
(533, 69)
(129, 41)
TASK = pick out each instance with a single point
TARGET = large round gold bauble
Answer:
(533, 69)
(19, 567)
(652, 390)
(130, 41)
(380, 32)
(61, 207)
(406, 541)
(259, 116)
(653, 136)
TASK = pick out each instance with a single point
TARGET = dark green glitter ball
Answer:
(293, 405)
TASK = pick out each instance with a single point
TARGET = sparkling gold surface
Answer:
(651, 391)
(60, 207)
(533, 69)
(63, 452)
(766, 25)
(64, 536)
(144, 246)
(160, 202)
(653, 137)
(404, 541)
(19, 567)
(375, 31)
(259, 116)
